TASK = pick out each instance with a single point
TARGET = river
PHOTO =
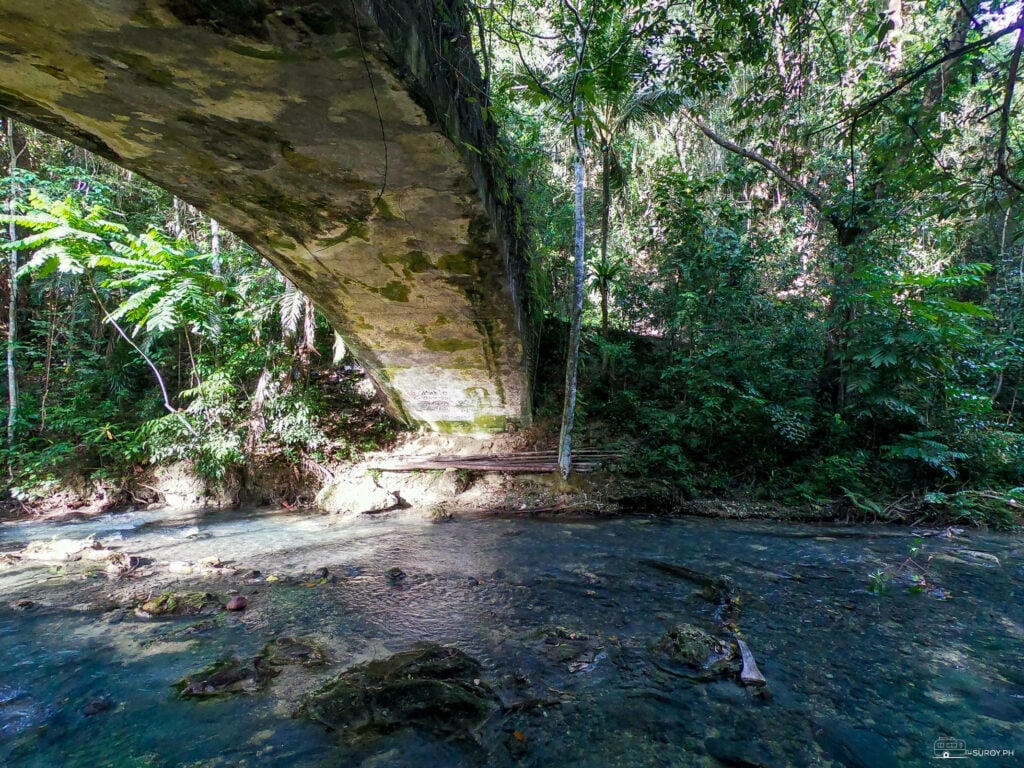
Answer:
(563, 616)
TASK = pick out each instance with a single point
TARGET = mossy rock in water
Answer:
(704, 653)
(432, 688)
(564, 645)
(188, 604)
(223, 677)
(287, 651)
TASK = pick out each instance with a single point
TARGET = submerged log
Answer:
(715, 588)
(750, 675)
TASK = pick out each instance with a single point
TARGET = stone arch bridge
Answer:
(343, 139)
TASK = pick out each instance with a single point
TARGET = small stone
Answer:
(396, 574)
(237, 603)
(97, 705)
(24, 605)
(321, 573)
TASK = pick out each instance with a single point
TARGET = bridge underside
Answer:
(343, 140)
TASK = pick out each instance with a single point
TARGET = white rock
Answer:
(354, 495)
(59, 550)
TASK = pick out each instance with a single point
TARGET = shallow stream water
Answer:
(562, 615)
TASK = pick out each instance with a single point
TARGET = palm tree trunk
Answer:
(576, 319)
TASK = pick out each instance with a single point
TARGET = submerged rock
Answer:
(855, 747)
(432, 688)
(699, 650)
(97, 706)
(285, 651)
(223, 677)
(564, 646)
(740, 753)
(188, 604)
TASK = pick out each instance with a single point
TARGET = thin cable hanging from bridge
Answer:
(376, 103)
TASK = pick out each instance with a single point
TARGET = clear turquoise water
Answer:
(854, 678)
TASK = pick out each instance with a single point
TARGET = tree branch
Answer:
(812, 197)
(1002, 156)
(918, 73)
(514, 41)
(133, 345)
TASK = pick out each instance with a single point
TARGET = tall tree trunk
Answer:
(176, 221)
(215, 245)
(12, 304)
(892, 39)
(576, 318)
(606, 204)
(308, 347)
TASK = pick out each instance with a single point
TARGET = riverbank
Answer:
(378, 482)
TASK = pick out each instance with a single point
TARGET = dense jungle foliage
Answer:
(797, 227)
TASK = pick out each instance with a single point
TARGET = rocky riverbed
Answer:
(395, 640)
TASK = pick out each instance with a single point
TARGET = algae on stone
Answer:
(432, 688)
(697, 649)
(222, 677)
(287, 651)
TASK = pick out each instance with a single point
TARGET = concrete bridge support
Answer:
(343, 139)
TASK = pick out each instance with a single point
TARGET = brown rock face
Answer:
(344, 141)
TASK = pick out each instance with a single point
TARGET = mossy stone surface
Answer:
(433, 688)
(261, 114)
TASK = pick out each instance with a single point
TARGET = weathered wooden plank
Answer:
(532, 461)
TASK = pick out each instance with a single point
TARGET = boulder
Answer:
(432, 688)
(351, 495)
(63, 550)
